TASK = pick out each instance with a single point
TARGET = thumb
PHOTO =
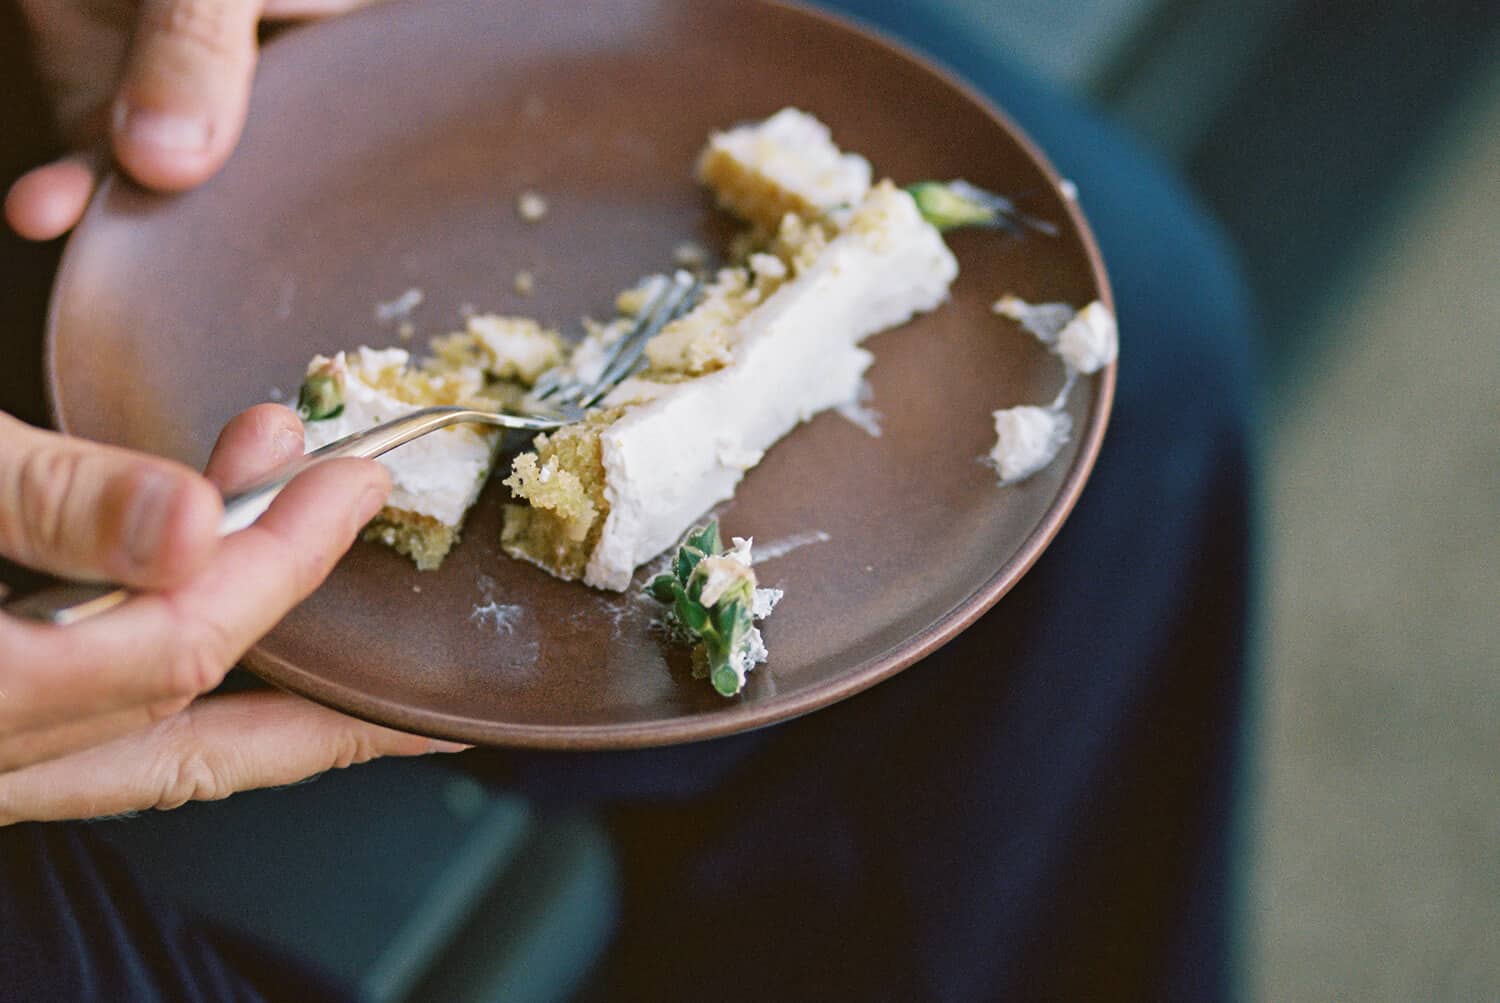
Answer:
(182, 100)
(82, 510)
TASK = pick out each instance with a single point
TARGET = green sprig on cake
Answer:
(951, 205)
(712, 605)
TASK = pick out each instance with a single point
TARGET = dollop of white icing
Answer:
(1027, 438)
(764, 602)
(1090, 341)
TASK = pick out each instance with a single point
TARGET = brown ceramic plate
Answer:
(385, 151)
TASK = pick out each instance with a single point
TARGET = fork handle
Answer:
(71, 602)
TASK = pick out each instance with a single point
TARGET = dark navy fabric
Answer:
(77, 924)
(1043, 809)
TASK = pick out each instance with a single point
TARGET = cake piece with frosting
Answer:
(434, 479)
(761, 171)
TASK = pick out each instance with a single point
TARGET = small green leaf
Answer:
(731, 619)
(724, 618)
(706, 538)
(693, 616)
(688, 558)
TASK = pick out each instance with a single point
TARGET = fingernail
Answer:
(166, 131)
(287, 444)
(439, 745)
(146, 516)
(369, 503)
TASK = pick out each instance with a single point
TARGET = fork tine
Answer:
(567, 398)
(555, 381)
(673, 303)
(555, 386)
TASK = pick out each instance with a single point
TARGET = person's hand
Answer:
(106, 716)
(160, 85)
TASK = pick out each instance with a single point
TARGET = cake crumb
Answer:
(525, 282)
(531, 206)
(689, 255)
(400, 307)
(416, 588)
(406, 330)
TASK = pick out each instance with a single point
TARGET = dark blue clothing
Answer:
(1044, 808)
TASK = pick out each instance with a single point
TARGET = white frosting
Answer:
(1090, 341)
(1086, 340)
(1026, 440)
(671, 458)
(794, 151)
(764, 602)
(860, 414)
(438, 475)
(754, 652)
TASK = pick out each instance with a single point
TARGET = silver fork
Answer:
(558, 399)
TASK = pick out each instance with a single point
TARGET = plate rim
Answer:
(734, 717)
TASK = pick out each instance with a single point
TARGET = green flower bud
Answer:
(946, 209)
(665, 589)
(953, 204)
(321, 397)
